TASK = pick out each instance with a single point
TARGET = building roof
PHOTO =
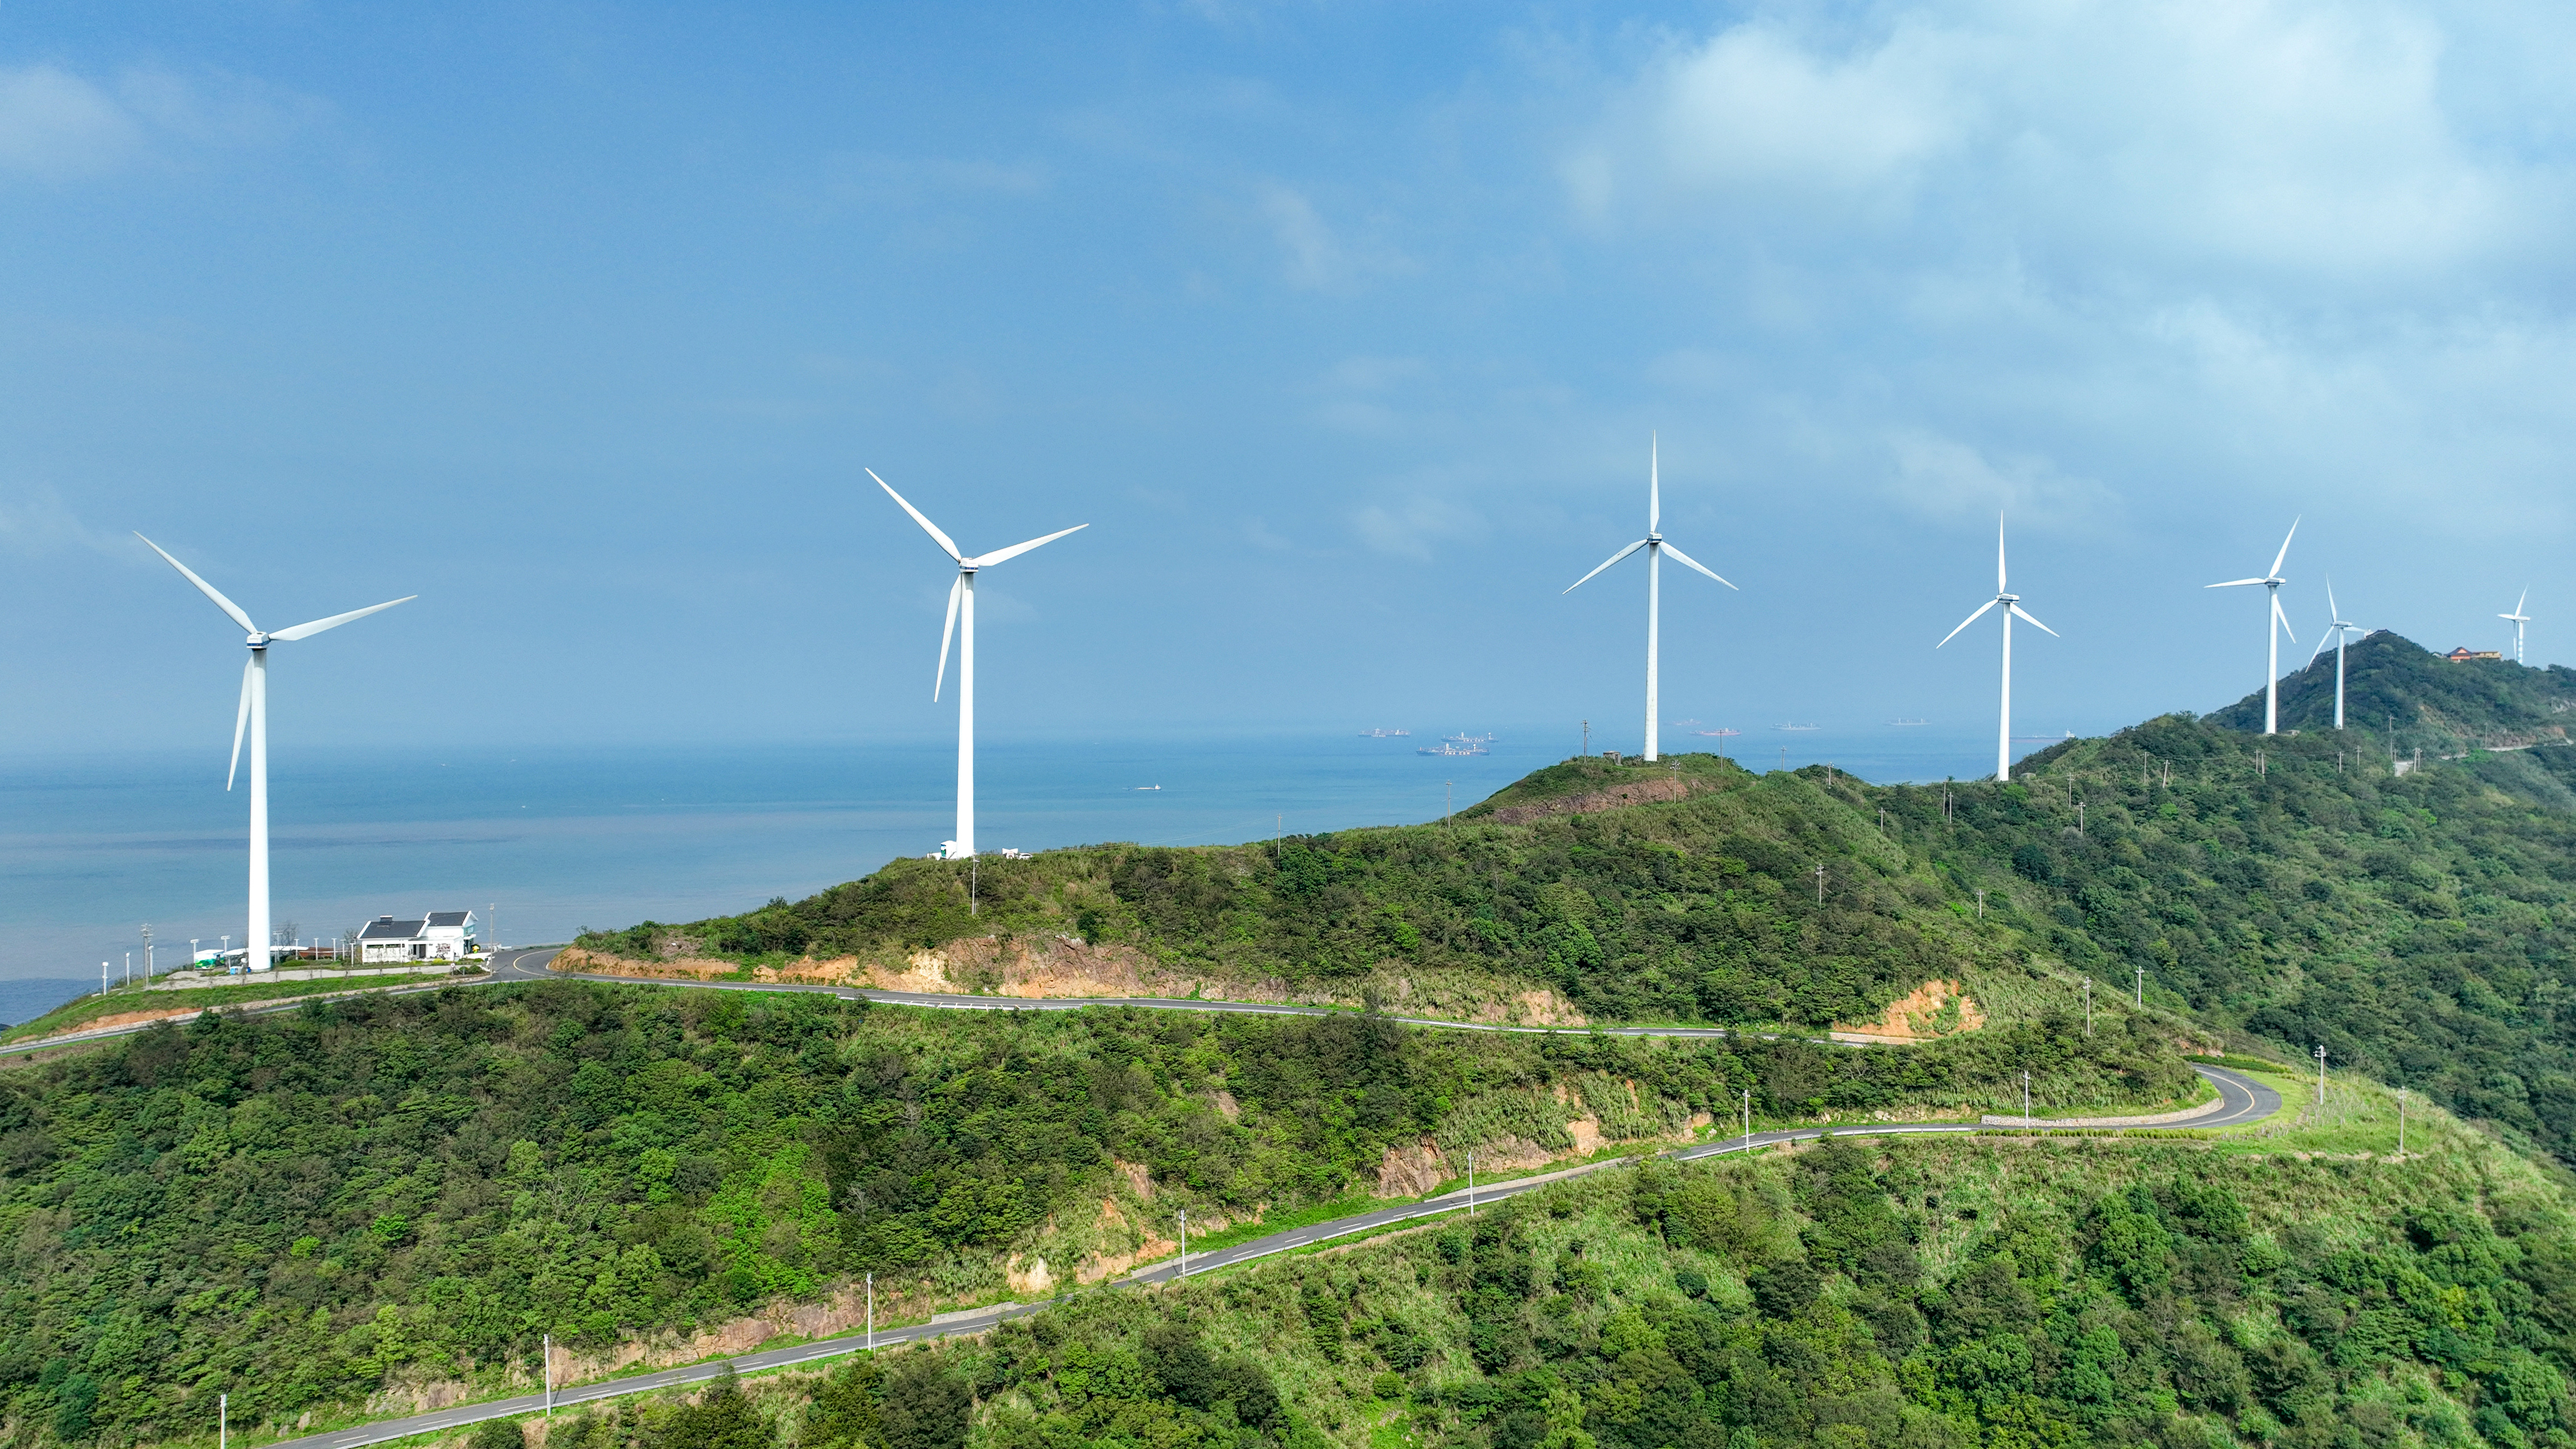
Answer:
(450, 918)
(386, 928)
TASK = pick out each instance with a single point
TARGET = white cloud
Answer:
(910, 180)
(1945, 478)
(55, 125)
(58, 126)
(37, 521)
(1317, 255)
(1409, 529)
(2087, 138)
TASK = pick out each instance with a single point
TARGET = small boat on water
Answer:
(1384, 734)
(1797, 727)
(1908, 723)
(1146, 787)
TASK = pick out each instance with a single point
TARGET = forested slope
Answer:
(2293, 890)
(308, 1209)
(1926, 1293)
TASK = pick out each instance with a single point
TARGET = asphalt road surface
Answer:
(2241, 1100)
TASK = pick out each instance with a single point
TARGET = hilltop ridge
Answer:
(2406, 697)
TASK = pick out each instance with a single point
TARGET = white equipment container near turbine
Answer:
(961, 605)
(1656, 547)
(2277, 625)
(2337, 630)
(2518, 618)
(2012, 610)
(253, 717)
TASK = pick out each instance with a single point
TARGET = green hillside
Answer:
(2394, 687)
(2283, 893)
(1923, 1293)
(306, 1209)
(1704, 909)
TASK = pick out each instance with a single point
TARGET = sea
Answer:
(543, 843)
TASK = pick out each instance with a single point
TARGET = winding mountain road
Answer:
(2241, 1100)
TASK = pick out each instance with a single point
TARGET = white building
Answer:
(437, 936)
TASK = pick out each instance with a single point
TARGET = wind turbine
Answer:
(2278, 625)
(1655, 546)
(253, 715)
(961, 599)
(2518, 618)
(2012, 610)
(2338, 629)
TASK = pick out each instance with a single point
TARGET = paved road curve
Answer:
(2241, 1100)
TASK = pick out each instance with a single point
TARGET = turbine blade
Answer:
(2235, 583)
(2285, 548)
(209, 590)
(2000, 587)
(956, 591)
(987, 560)
(1614, 558)
(927, 526)
(2024, 615)
(1972, 618)
(307, 631)
(2283, 619)
(241, 720)
(2333, 609)
(1679, 557)
(1654, 484)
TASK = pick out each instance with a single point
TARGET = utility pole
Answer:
(1471, 1183)
(2401, 1121)
(1820, 883)
(1185, 1242)
(872, 1313)
(2088, 1006)
(147, 953)
(1981, 903)
(2079, 819)
(1587, 737)
(493, 922)
(223, 1419)
(102, 978)
(1882, 820)
(548, 1351)
(2025, 1097)
(129, 968)
(2321, 1077)
(2142, 988)
(1748, 1118)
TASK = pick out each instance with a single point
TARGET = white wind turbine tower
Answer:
(253, 715)
(2339, 628)
(2275, 627)
(1656, 547)
(2012, 610)
(961, 599)
(2518, 618)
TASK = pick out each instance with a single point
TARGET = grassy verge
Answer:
(72, 1015)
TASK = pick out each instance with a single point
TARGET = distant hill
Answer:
(2430, 703)
(2288, 891)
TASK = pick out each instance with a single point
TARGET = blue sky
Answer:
(1345, 327)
